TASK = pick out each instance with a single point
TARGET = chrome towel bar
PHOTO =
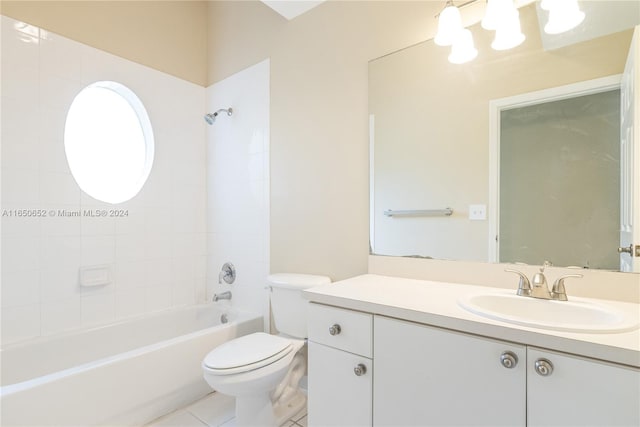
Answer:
(426, 212)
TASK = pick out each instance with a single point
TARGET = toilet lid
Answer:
(250, 352)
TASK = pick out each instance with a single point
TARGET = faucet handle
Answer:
(524, 286)
(558, 291)
(227, 274)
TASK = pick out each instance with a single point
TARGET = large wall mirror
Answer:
(431, 148)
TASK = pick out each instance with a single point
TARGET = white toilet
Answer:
(263, 371)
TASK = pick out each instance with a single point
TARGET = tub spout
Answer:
(224, 295)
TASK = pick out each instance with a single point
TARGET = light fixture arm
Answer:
(450, 3)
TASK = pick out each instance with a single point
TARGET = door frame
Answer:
(496, 106)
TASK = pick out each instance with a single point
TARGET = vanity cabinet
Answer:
(580, 392)
(340, 367)
(430, 376)
(433, 377)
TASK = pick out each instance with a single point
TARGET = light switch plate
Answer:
(478, 212)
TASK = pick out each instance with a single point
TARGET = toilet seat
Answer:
(247, 353)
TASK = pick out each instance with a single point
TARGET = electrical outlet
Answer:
(478, 212)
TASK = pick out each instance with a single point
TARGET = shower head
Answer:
(211, 117)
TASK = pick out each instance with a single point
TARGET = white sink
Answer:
(575, 315)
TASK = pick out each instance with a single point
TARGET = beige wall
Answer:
(169, 36)
(240, 34)
(319, 131)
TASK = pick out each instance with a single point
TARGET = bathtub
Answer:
(124, 374)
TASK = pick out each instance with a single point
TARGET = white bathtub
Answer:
(124, 374)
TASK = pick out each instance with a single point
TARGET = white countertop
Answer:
(436, 304)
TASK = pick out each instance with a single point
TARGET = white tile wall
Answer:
(238, 186)
(58, 315)
(157, 254)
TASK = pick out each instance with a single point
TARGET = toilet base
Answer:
(283, 411)
(255, 410)
(258, 410)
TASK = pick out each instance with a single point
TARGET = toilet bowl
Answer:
(263, 371)
(251, 368)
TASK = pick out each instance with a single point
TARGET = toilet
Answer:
(263, 371)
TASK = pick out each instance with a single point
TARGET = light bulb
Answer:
(463, 49)
(563, 16)
(546, 4)
(509, 33)
(497, 11)
(449, 25)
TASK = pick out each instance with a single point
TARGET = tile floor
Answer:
(213, 410)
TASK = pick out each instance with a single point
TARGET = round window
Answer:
(108, 141)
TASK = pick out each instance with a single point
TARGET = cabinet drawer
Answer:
(342, 329)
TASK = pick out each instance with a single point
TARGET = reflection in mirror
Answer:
(430, 138)
(560, 171)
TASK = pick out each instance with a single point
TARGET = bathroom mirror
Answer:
(429, 129)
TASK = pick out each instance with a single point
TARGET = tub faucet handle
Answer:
(227, 274)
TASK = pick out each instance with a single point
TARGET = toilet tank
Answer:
(288, 307)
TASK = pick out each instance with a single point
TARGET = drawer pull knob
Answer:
(543, 367)
(508, 359)
(360, 370)
(335, 329)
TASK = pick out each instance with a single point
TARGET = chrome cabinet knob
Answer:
(624, 250)
(543, 367)
(335, 329)
(508, 359)
(360, 370)
(632, 250)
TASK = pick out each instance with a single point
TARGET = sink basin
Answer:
(575, 315)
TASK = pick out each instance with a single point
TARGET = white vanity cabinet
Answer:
(580, 392)
(428, 376)
(432, 376)
(340, 367)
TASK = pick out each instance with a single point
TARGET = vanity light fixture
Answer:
(564, 15)
(496, 12)
(503, 17)
(449, 25)
(462, 49)
(508, 32)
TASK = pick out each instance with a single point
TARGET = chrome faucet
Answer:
(538, 288)
(224, 295)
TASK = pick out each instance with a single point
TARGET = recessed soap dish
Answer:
(95, 275)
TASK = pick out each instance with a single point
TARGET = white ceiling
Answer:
(292, 8)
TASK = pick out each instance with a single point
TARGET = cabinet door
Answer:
(337, 396)
(426, 376)
(581, 392)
